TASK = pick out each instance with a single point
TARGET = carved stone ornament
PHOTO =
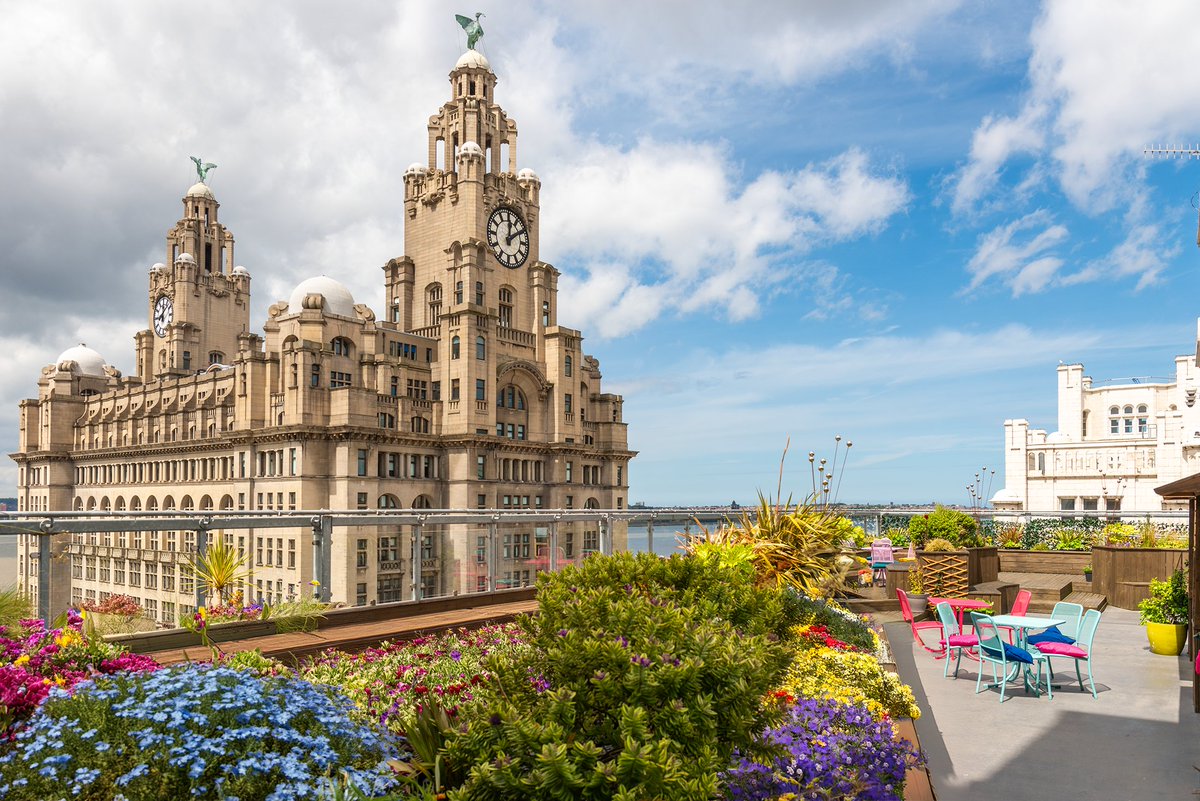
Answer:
(544, 386)
(364, 312)
(277, 309)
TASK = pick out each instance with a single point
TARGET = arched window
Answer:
(454, 346)
(433, 303)
(506, 307)
(1128, 419)
(1143, 422)
(1114, 420)
(591, 503)
(1041, 463)
(478, 293)
(340, 346)
(458, 291)
(422, 502)
(420, 425)
(387, 501)
(567, 367)
(216, 357)
(480, 348)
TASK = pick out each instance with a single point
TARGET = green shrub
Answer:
(1168, 601)
(638, 687)
(939, 545)
(943, 523)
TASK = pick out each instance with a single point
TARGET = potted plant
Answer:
(1087, 572)
(1165, 614)
(918, 600)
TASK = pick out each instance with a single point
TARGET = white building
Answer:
(1116, 441)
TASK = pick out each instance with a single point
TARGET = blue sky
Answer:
(885, 220)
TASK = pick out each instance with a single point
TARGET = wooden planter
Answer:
(983, 565)
(1015, 560)
(1123, 574)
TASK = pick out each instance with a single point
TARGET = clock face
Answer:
(508, 237)
(164, 312)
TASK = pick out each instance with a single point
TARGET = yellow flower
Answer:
(21, 660)
(203, 613)
(60, 680)
(315, 583)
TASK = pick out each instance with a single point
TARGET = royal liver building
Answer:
(462, 392)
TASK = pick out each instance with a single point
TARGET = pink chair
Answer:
(882, 555)
(906, 611)
(1019, 608)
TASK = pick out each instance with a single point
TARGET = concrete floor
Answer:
(1138, 740)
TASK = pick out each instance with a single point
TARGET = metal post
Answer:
(606, 536)
(650, 534)
(493, 563)
(201, 549)
(322, 571)
(553, 545)
(44, 554)
(415, 555)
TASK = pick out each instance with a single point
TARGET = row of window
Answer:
(1088, 504)
(400, 465)
(269, 463)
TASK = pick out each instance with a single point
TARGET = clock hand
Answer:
(515, 233)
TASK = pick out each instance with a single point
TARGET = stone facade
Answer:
(1115, 443)
(464, 394)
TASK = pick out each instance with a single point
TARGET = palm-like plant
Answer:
(14, 606)
(217, 569)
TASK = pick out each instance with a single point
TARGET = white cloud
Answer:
(1107, 79)
(1019, 254)
(712, 243)
(1141, 255)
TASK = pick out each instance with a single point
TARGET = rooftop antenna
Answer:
(1177, 152)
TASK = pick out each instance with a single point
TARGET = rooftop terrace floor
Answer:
(1138, 740)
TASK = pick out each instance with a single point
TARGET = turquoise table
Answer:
(1022, 624)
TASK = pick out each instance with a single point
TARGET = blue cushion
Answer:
(1012, 652)
(1051, 634)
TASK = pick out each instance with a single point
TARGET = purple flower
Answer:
(456, 655)
(621, 641)
(562, 632)
(640, 659)
(829, 750)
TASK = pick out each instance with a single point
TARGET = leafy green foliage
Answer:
(1168, 601)
(15, 606)
(948, 524)
(841, 624)
(643, 678)
(937, 544)
(217, 569)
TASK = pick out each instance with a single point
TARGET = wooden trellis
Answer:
(945, 574)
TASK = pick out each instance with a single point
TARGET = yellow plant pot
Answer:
(1166, 638)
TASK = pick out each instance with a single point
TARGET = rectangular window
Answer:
(338, 380)
(362, 500)
(292, 554)
(570, 470)
(620, 476)
(1066, 504)
(520, 432)
(360, 597)
(458, 291)
(1114, 426)
(567, 402)
(480, 467)
(480, 389)
(481, 501)
(1112, 504)
(315, 376)
(453, 389)
(362, 553)
(187, 360)
(499, 429)
(569, 502)
(1128, 425)
(151, 576)
(389, 589)
(435, 391)
(168, 578)
(1089, 504)
(135, 573)
(362, 461)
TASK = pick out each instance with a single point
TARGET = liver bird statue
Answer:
(202, 167)
(472, 27)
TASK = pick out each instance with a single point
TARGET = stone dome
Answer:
(338, 299)
(200, 190)
(240, 270)
(1005, 496)
(186, 258)
(527, 175)
(470, 149)
(83, 361)
(1057, 436)
(473, 59)
(416, 169)
(158, 265)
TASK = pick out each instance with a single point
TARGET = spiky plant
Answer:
(14, 606)
(217, 569)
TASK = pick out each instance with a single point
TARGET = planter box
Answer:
(1020, 561)
(1123, 574)
(983, 565)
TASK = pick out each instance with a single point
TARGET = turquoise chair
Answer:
(953, 638)
(1081, 651)
(1073, 614)
(1007, 660)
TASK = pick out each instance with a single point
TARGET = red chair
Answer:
(906, 611)
(1019, 608)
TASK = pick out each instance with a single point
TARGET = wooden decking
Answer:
(1050, 588)
(295, 646)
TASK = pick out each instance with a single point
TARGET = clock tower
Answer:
(199, 302)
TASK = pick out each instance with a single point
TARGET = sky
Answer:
(777, 223)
